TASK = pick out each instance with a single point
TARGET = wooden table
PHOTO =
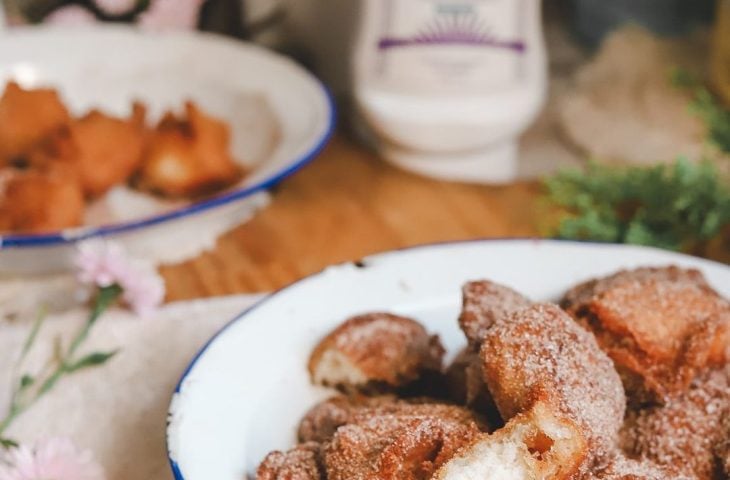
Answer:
(346, 204)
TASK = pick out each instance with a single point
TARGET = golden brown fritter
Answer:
(375, 350)
(26, 117)
(685, 432)
(188, 156)
(485, 303)
(541, 443)
(322, 420)
(662, 327)
(299, 463)
(37, 202)
(541, 353)
(405, 442)
(109, 149)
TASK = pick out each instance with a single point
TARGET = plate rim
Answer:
(81, 233)
(379, 257)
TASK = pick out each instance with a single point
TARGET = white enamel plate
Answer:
(245, 392)
(279, 115)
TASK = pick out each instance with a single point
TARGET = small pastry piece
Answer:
(541, 443)
(541, 353)
(300, 463)
(376, 350)
(484, 303)
(26, 117)
(662, 327)
(109, 149)
(188, 156)
(322, 420)
(37, 202)
(576, 300)
(685, 432)
(56, 152)
(398, 442)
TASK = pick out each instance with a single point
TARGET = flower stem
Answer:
(105, 297)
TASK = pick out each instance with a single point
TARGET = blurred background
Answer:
(580, 119)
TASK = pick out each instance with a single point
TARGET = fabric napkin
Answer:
(118, 410)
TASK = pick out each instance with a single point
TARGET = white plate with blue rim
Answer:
(245, 392)
(280, 117)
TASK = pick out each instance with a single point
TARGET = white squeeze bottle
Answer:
(447, 86)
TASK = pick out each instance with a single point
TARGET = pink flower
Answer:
(103, 264)
(171, 14)
(115, 7)
(70, 16)
(52, 459)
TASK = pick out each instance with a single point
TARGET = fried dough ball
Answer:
(541, 443)
(374, 352)
(541, 353)
(299, 463)
(484, 303)
(685, 432)
(37, 202)
(109, 149)
(407, 442)
(322, 420)
(26, 117)
(189, 156)
(661, 326)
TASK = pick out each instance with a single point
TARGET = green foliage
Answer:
(677, 206)
(91, 360)
(707, 107)
(8, 443)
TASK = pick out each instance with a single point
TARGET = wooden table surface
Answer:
(346, 204)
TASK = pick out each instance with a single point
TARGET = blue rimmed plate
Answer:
(245, 392)
(280, 117)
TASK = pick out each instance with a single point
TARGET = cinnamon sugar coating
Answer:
(622, 468)
(375, 350)
(299, 463)
(685, 432)
(404, 442)
(484, 303)
(322, 421)
(661, 326)
(555, 384)
(540, 352)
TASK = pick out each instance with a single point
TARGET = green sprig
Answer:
(707, 107)
(30, 389)
(680, 206)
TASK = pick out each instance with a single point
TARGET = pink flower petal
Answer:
(102, 264)
(52, 459)
(71, 16)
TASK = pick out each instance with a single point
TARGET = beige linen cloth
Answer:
(117, 410)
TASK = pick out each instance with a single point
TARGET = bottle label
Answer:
(451, 45)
